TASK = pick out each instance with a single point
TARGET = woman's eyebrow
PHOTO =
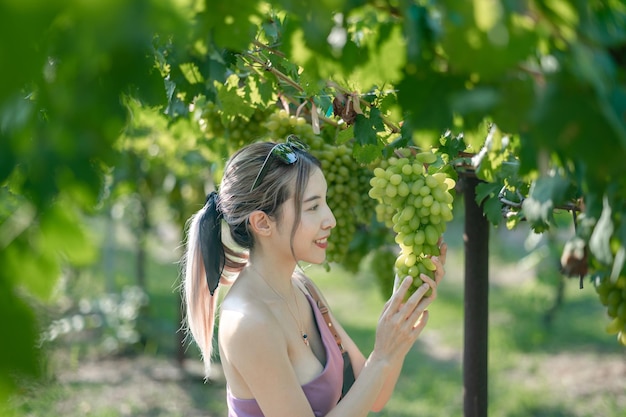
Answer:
(315, 197)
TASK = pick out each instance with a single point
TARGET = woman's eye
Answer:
(313, 208)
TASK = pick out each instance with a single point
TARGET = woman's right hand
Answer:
(401, 323)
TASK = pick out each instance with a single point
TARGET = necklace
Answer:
(305, 337)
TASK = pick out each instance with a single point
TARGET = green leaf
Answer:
(566, 116)
(20, 358)
(480, 99)
(217, 67)
(493, 210)
(426, 98)
(35, 270)
(516, 99)
(545, 194)
(420, 33)
(605, 22)
(376, 119)
(345, 135)
(384, 61)
(191, 72)
(485, 190)
(231, 100)
(473, 38)
(366, 153)
(267, 91)
(62, 233)
(311, 85)
(229, 23)
(365, 131)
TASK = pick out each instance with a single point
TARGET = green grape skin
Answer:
(416, 205)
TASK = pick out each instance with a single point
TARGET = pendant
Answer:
(305, 339)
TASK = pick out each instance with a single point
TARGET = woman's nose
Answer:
(330, 221)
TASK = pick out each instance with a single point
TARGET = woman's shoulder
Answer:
(241, 302)
(242, 315)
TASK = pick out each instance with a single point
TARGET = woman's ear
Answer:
(260, 223)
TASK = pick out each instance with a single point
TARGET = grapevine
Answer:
(417, 205)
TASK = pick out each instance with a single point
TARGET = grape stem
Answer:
(261, 45)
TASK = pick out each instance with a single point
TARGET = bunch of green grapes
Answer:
(279, 124)
(241, 130)
(417, 205)
(348, 182)
(237, 130)
(347, 195)
(613, 296)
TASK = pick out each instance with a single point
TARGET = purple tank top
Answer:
(323, 392)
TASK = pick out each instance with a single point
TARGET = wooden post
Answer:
(475, 361)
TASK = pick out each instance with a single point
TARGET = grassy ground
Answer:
(567, 368)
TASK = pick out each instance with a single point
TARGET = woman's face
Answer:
(316, 221)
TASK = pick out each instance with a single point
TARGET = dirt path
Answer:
(138, 386)
(150, 386)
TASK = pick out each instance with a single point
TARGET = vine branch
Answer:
(267, 66)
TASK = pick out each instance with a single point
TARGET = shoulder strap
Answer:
(323, 309)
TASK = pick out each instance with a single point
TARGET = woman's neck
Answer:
(277, 274)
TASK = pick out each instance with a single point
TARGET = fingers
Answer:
(443, 250)
(403, 321)
(398, 296)
(429, 281)
(440, 260)
(440, 270)
(420, 322)
(418, 301)
(420, 293)
(419, 317)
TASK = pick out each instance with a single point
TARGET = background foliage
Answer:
(108, 106)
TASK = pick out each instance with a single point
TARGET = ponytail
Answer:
(211, 247)
(204, 262)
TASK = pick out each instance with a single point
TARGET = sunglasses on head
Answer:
(285, 152)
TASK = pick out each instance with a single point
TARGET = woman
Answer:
(278, 354)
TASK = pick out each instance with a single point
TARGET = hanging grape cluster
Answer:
(237, 130)
(612, 295)
(241, 131)
(280, 124)
(348, 182)
(417, 205)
